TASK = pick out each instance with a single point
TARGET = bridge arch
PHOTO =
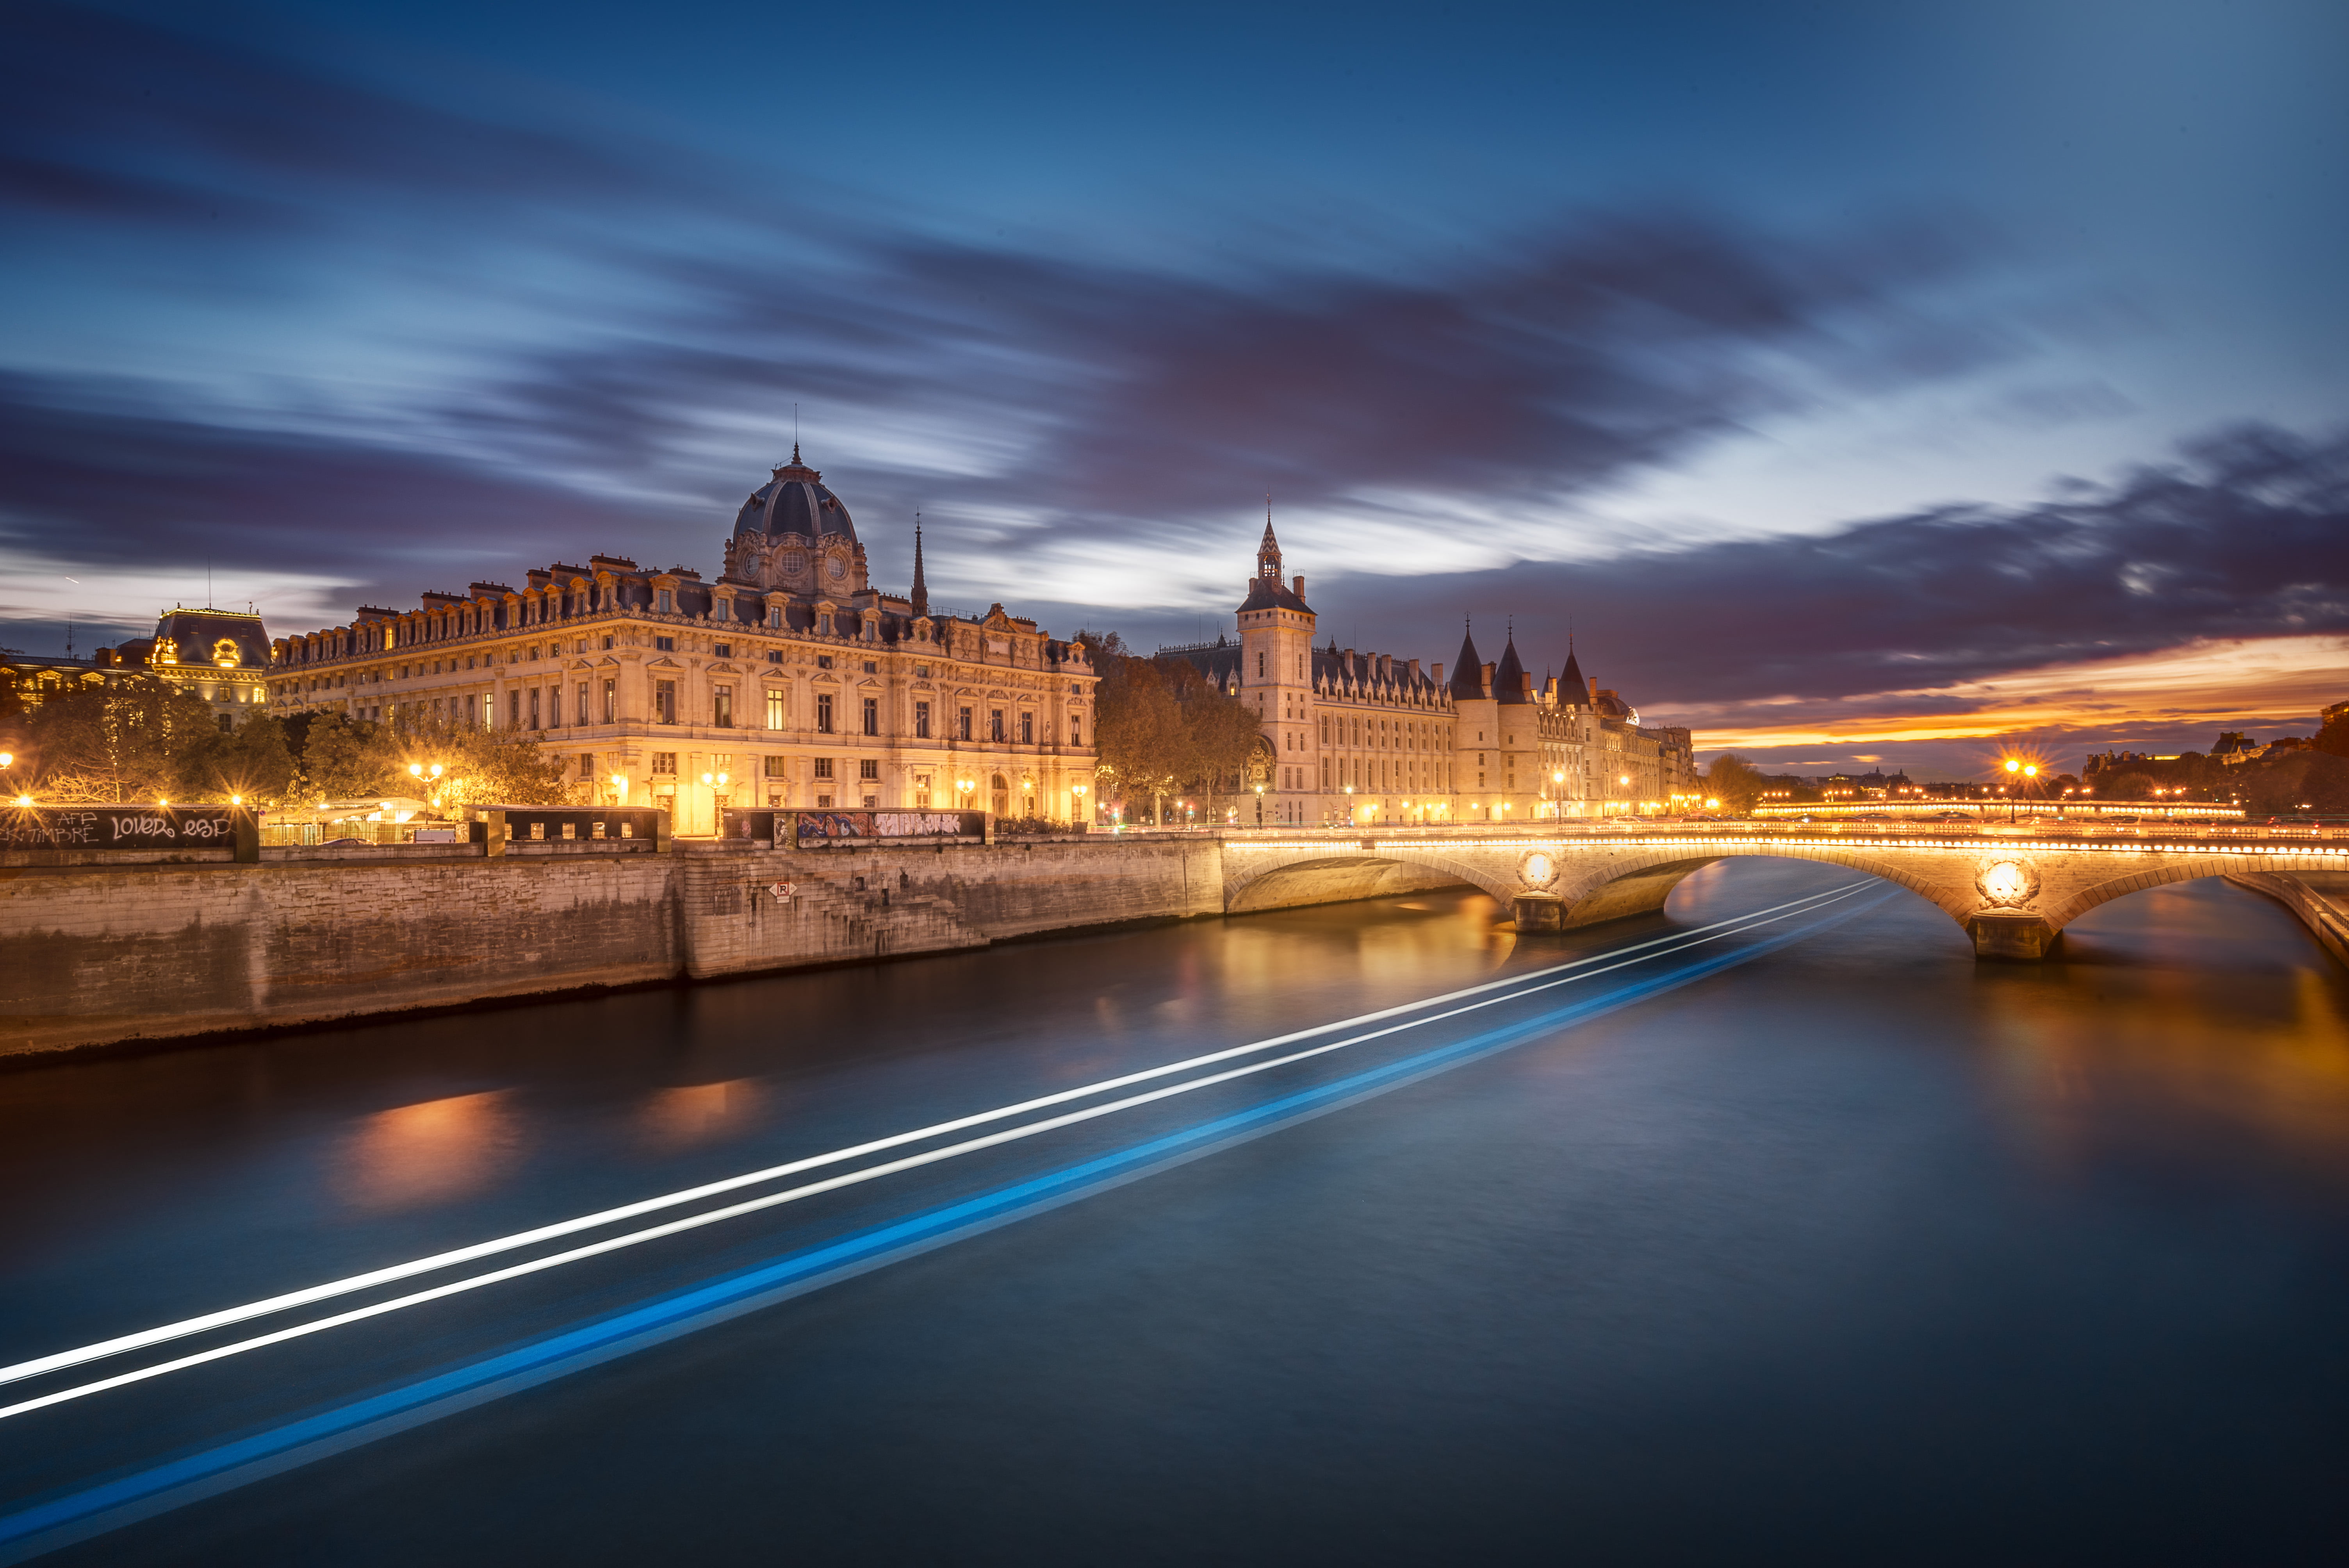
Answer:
(1279, 878)
(2012, 895)
(1640, 882)
(2167, 872)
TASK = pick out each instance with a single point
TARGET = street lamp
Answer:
(1079, 791)
(1259, 805)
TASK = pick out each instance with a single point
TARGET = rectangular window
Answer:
(872, 715)
(922, 791)
(721, 650)
(774, 655)
(1027, 730)
(823, 713)
(872, 667)
(921, 672)
(775, 619)
(823, 802)
(1076, 730)
(514, 709)
(722, 609)
(664, 702)
(962, 724)
(583, 717)
(824, 660)
(667, 605)
(488, 711)
(533, 709)
(587, 765)
(774, 768)
(721, 707)
(823, 767)
(774, 707)
(921, 721)
(868, 768)
(611, 702)
(665, 762)
(995, 724)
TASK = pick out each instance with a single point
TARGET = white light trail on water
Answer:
(1517, 987)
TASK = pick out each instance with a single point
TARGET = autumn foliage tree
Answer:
(117, 742)
(351, 760)
(1733, 781)
(1161, 729)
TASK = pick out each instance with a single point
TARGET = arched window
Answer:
(1001, 788)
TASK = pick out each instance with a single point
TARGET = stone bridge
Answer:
(2012, 892)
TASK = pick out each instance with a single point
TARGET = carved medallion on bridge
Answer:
(1537, 869)
(2009, 882)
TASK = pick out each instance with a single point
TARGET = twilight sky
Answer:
(1857, 381)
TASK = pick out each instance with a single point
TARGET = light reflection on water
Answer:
(435, 1152)
(1861, 1253)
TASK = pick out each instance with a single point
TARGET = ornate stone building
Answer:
(788, 680)
(1369, 738)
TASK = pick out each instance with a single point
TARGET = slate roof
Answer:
(795, 501)
(197, 631)
(1469, 674)
(1509, 683)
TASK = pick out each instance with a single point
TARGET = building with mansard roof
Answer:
(1370, 739)
(788, 679)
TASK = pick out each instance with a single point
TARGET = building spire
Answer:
(921, 588)
(1267, 553)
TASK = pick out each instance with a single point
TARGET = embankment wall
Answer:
(100, 955)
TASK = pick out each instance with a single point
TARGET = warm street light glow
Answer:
(24, 799)
(7, 759)
(237, 799)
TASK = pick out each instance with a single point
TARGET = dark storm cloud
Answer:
(114, 485)
(1107, 398)
(106, 117)
(2247, 535)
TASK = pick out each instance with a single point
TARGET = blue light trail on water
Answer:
(93, 1510)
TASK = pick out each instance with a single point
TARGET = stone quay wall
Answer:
(93, 956)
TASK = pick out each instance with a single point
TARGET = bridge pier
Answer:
(2025, 937)
(1538, 912)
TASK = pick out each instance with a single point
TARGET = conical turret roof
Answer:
(1469, 674)
(1509, 679)
(1572, 689)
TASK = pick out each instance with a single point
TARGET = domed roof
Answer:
(795, 501)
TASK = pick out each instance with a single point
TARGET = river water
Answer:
(1785, 1234)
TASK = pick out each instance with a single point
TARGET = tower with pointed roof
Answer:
(1275, 679)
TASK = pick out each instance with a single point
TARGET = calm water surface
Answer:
(1853, 1252)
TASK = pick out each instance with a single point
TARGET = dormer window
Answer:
(722, 609)
(667, 603)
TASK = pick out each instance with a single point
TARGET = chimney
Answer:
(1594, 691)
(1436, 672)
(1415, 672)
(1300, 585)
(1488, 679)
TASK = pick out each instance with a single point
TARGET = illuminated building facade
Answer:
(788, 680)
(1370, 737)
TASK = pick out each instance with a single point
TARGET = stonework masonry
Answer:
(99, 956)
